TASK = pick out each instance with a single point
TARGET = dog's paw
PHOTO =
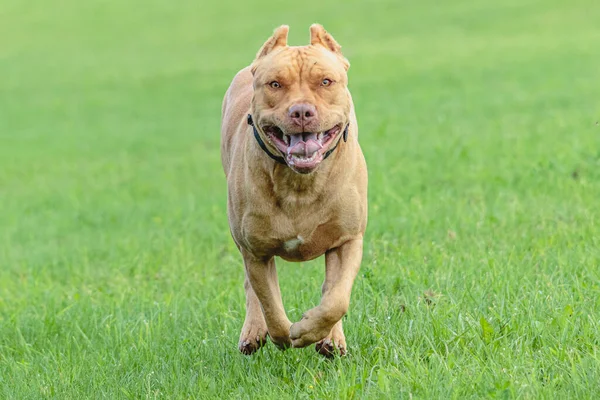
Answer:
(307, 331)
(329, 348)
(251, 339)
(250, 346)
(282, 343)
(280, 335)
(334, 344)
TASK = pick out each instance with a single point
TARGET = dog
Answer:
(297, 185)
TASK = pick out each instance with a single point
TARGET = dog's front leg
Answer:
(262, 275)
(342, 265)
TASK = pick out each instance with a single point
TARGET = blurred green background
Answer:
(479, 123)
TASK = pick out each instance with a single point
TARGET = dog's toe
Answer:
(250, 344)
(329, 349)
(249, 347)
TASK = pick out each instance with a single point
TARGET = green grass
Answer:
(481, 274)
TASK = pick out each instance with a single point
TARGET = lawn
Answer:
(481, 272)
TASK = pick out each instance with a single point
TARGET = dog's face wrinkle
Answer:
(299, 73)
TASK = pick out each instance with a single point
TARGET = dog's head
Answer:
(301, 103)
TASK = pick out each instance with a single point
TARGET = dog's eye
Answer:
(326, 82)
(275, 85)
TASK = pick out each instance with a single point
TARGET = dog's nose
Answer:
(302, 113)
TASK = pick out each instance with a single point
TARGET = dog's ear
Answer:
(279, 39)
(320, 37)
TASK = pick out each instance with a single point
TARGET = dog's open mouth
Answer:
(302, 151)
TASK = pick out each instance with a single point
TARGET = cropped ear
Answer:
(279, 39)
(319, 36)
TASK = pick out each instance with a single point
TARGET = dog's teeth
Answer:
(286, 139)
(320, 136)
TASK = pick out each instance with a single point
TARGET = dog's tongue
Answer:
(304, 144)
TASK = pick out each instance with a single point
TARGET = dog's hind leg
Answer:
(254, 331)
(342, 265)
(263, 279)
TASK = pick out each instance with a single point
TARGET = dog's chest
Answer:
(306, 245)
(292, 245)
(298, 232)
(291, 239)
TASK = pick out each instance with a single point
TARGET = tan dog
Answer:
(297, 189)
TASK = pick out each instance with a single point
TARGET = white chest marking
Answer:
(292, 244)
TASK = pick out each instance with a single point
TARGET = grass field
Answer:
(481, 273)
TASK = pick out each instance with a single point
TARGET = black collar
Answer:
(279, 159)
